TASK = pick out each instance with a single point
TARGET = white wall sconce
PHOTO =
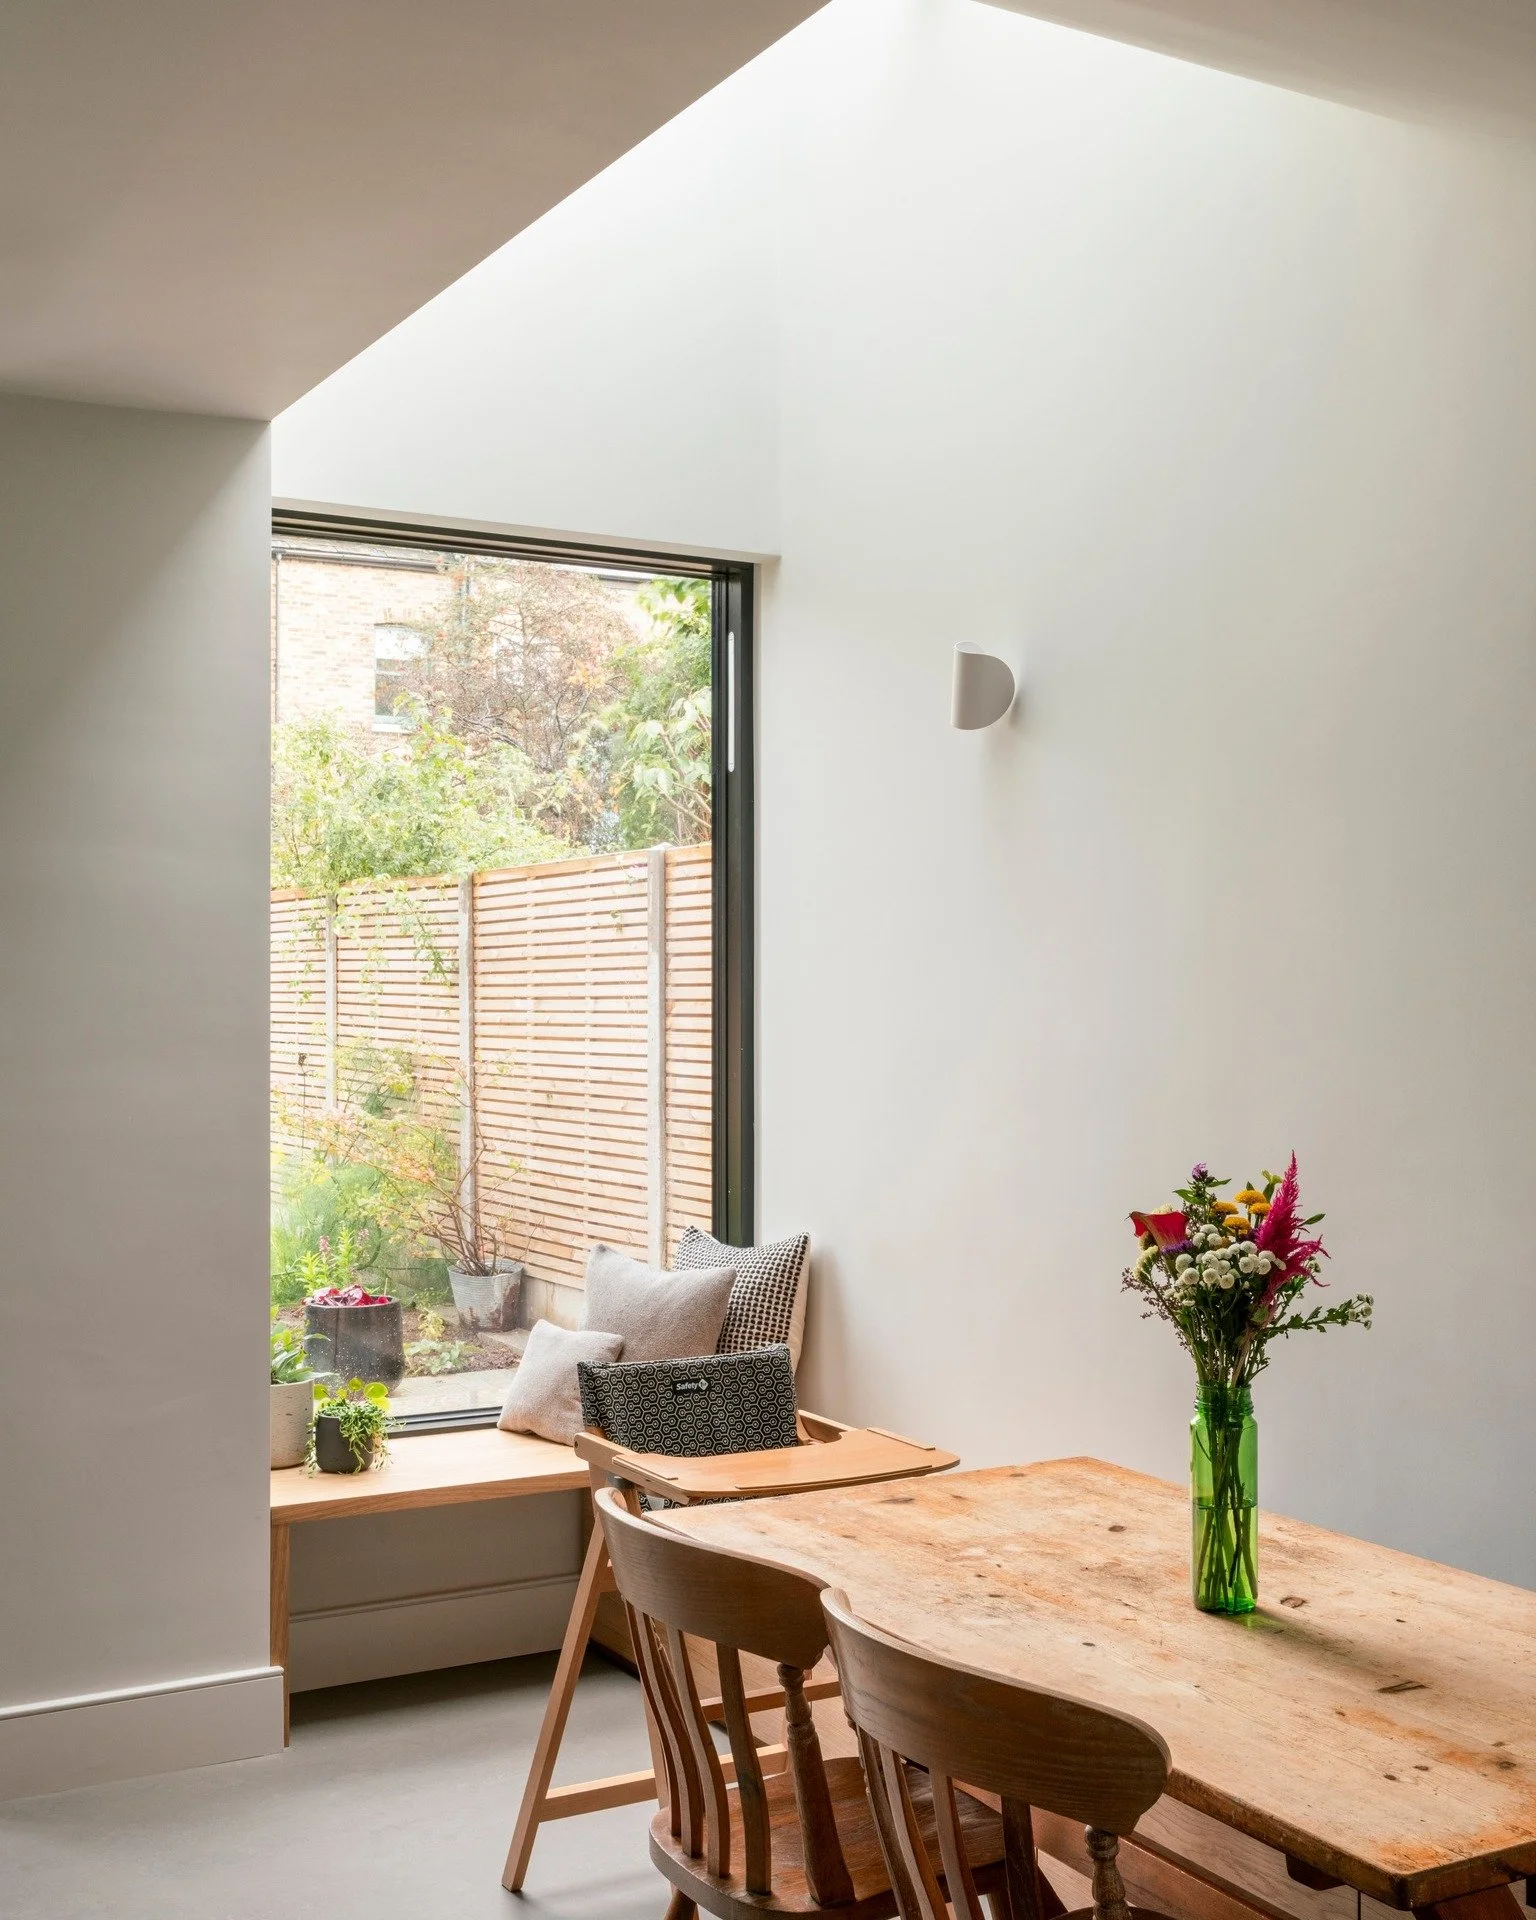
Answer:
(984, 688)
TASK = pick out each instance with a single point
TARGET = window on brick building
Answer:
(395, 650)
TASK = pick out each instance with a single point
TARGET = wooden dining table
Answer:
(1372, 1725)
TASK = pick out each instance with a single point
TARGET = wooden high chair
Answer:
(830, 1455)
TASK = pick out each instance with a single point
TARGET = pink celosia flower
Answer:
(1282, 1233)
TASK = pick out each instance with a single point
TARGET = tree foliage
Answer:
(611, 714)
(546, 721)
(521, 655)
(656, 734)
(341, 813)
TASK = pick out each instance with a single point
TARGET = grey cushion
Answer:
(659, 1315)
(545, 1398)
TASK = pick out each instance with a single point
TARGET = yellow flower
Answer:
(1258, 1208)
(1249, 1195)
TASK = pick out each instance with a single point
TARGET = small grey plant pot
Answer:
(291, 1404)
(488, 1300)
(332, 1454)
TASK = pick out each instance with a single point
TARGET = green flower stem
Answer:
(1224, 1491)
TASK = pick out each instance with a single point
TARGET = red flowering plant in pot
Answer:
(1229, 1277)
(353, 1330)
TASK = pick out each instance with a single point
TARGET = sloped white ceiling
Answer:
(1461, 62)
(212, 204)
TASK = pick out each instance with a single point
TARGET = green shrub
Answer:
(433, 1352)
(317, 1202)
(340, 1203)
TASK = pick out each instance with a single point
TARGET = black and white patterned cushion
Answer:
(767, 1304)
(723, 1403)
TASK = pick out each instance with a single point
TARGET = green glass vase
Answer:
(1224, 1498)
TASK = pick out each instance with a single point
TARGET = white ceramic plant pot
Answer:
(291, 1406)
(488, 1299)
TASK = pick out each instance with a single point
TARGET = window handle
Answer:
(730, 703)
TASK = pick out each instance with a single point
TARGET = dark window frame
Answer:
(733, 837)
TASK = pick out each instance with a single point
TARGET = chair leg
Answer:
(594, 1572)
(1109, 1901)
(680, 1907)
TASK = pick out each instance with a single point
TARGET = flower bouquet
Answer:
(1228, 1276)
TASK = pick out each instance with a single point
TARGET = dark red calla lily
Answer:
(1167, 1229)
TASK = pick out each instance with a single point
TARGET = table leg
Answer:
(282, 1538)
(594, 1577)
(1493, 1903)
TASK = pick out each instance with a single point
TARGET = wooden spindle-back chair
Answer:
(800, 1841)
(1029, 1747)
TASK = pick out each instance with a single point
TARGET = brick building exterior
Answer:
(341, 619)
(337, 615)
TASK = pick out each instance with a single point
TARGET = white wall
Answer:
(1216, 406)
(133, 700)
(609, 373)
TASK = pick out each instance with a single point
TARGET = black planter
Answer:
(359, 1343)
(332, 1454)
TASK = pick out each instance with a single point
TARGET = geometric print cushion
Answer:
(723, 1403)
(767, 1304)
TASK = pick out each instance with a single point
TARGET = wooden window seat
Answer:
(423, 1470)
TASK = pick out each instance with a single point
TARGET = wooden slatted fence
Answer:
(584, 1042)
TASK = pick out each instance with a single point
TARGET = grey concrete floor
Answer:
(394, 1802)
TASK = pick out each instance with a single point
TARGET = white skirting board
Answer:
(47, 1746)
(334, 1646)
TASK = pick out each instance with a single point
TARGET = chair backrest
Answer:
(1025, 1744)
(672, 1585)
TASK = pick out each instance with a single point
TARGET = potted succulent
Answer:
(352, 1427)
(293, 1393)
(352, 1330)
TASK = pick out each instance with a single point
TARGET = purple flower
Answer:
(1199, 1171)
